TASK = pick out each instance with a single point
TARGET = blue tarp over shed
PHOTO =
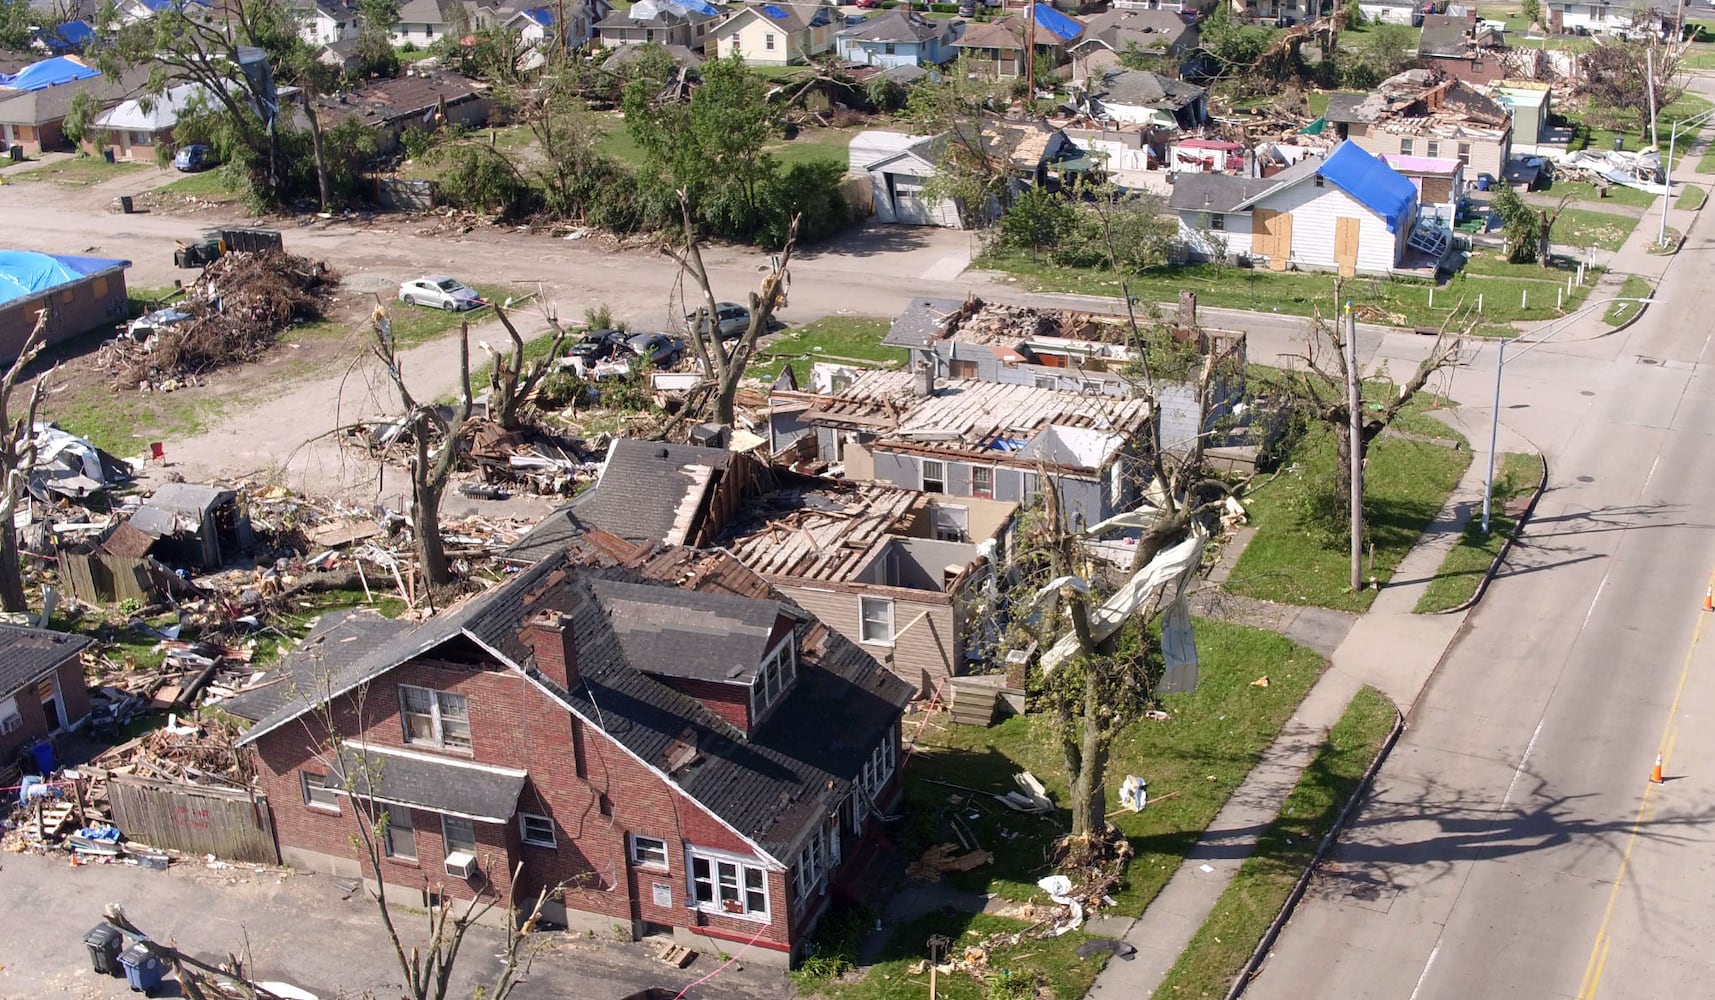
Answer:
(25, 272)
(1057, 24)
(1377, 186)
(47, 73)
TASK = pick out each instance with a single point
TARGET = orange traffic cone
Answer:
(1709, 599)
(1655, 772)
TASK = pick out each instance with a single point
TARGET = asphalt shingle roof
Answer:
(792, 767)
(897, 26)
(923, 322)
(486, 794)
(28, 653)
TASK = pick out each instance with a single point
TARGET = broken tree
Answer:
(430, 466)
(510, 380)
(17, 459)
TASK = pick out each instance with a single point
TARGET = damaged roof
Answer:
(898, 26)
(792, 768)
(923, 322)
(1149, 30)
(1414, 101)
(27, 653)
(386, 101)
(992, 420)
(1142, 88)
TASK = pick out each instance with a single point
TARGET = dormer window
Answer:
(774, 677)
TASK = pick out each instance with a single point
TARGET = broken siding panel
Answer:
(1007, 484)
(1080, 498)
(900, 470)
(959, 479)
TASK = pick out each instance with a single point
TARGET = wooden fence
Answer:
(231, 824)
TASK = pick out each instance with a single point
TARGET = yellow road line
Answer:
(1669, 735)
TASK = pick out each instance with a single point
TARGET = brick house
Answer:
(79, 294)
(41, 686)
(647, 728)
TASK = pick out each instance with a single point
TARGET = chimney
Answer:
(923, 378)
(554, 647)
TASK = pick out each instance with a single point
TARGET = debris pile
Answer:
(196, 753)
(191, 672)
(233, 314)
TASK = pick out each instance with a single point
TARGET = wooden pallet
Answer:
(676, 955)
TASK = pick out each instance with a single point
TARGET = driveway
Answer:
(298, 928)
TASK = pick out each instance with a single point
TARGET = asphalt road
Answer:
(1513, 846)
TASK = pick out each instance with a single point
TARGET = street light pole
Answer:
(1667, 169)
(1500, 366)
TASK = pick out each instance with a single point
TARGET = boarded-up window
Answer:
(962, 369)
(67, 295)
(99, 287)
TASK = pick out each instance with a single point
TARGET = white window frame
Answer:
(1406, 145)
(864, 619)
(647, 859)
(817, 862)
(394, 813)
(1218, 221)
(438, 717)
(977, 491)
(447, 839)
(768, 42)
(741, 869)
(1432, 148)
(330, 803)
(524, 835)
(940, 478)
(774, 677)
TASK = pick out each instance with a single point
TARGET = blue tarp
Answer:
(541, 15)
(26, 272)
(47, 73)
(1379, 187)
(700, 6)
(70, 35)
(1057, 24)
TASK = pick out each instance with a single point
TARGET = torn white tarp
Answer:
(1059, 889)
(1171, 568)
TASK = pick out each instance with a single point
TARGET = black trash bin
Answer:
(1619, 144)
(105, 942)
(126, 205)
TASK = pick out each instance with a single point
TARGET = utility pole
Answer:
(1649, 79)
(1354, 403)
(1030, 50)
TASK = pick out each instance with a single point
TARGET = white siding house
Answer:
(897, 166)
(1350, 213)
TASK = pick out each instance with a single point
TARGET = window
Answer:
(934, 476)
(817, 861)
(649, 852)
(729, 887)
(434, 717)
(961, 369)
(888, 48)
(1045, 382)
(537, 831)
(876, 620)
(873, 778)
(1217, 221)
(401, 834)
(1321, 181)
(768, 42)
(952, 524)
(982, 482)
(604, 805)
(99, 288)
(1433, 149)
(1465, 153)
(319, 791)
(458, 834)
(773, 678)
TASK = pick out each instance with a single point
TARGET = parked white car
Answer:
(437, 291)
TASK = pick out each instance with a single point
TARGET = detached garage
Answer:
(897, 166)
(79, 294)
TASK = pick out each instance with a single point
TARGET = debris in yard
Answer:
(1059, 889)
(1032, 799)
(1260, 682)
(1099, 945)
(1134, 793)
(942, 858)
(676, 955)
(242, 302)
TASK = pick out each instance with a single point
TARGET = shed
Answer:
(207, 523)
(897, 166)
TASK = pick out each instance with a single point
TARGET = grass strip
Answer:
(1242, 915)
(1471, 556)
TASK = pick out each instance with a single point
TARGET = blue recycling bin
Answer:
(143, 968)
(44, 755)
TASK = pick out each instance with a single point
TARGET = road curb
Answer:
(1254, 966)
(1507, 547)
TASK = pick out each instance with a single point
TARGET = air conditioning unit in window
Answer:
(461, 864)
(11, 722)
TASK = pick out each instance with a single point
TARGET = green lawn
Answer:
(1632, 134)
(209, 185)
(1583, 228)
(1635, 287)
(1691, 198)
(811, 145)
(1210, 743)
(1701, 58)
(416, 324)
(79, 171)
(1389, 301)
(1618, 194)
(1301, 557)
(1224, 943)
(854, 339)
(1706, 162)
(1493, 263)
(1471, 556)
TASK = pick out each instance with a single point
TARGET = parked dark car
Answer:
(598, 345)
(194, 158)
(660, 349)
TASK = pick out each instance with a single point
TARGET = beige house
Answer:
(778, 34)
(1413, 114)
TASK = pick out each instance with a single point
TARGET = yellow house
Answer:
(773, 34)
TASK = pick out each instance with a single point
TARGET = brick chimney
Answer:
(554, 645)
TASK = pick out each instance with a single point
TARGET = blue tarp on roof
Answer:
(541, 15)
(70, 35)
(700, 6)
(25, 272)
(1379, 187)
(1057, 24)
(47, 73)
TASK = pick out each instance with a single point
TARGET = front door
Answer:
(51, 704)
(1346, 246)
